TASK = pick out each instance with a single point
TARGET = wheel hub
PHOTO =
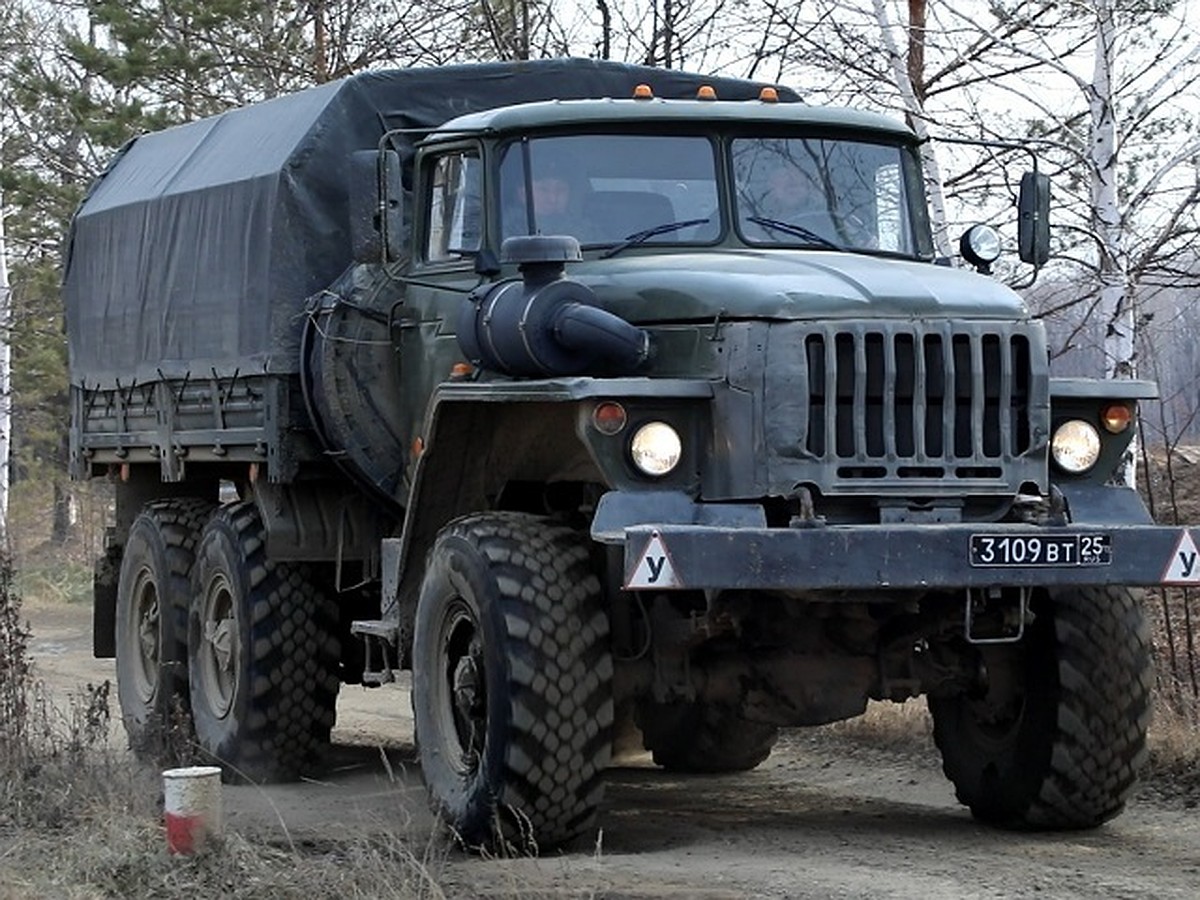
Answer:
(997, 707)
(466, 687)
(145, 636)
(219, 649)
(220, 637)
(464, 702)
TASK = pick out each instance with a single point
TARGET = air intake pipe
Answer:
(546, 324)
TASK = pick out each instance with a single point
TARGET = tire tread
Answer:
(1081, 771)
(176, 522)
(292, 685)
(559, 675)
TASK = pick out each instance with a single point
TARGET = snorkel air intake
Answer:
(546, 324)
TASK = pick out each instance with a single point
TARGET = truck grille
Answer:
(924, 401)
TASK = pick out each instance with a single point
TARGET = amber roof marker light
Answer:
(643, 92)
(706, 92)
(768, 95)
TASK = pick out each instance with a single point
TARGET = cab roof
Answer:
(608, 112)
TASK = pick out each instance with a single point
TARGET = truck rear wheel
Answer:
(153, 593)
(512, 677)
(1056, 738)
(263, 651)
(703, 737)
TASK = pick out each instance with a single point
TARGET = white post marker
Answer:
(192, 808)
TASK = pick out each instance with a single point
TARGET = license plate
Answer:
(1041, 550)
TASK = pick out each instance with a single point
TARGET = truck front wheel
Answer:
(1055, 734)
(153, 593)
(703, 737)
(512, 680)
(263, 651)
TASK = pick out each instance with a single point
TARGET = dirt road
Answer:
(828, 815)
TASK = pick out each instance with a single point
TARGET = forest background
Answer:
(1104, 91)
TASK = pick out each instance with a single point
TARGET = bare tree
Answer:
(882, 55)
(1128, 150)
(678, 34)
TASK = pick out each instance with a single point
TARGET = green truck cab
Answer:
(624, 399)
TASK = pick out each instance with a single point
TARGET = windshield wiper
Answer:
(795, 230)
(640, 236)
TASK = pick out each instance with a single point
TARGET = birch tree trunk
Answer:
(915, 111)
(5, 381)
(1115, 303)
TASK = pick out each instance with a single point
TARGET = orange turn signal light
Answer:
(609, 417)
(768, 95)
(1116, 417)
(643, 92)
(706, 92)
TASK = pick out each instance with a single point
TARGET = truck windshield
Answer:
(828, 193)
(611, 188)
(616, 190)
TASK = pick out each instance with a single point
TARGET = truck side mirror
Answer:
(366, 239)
(376, 206)
(1033, 225)
(391, 205)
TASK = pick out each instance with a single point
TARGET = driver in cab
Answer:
(551, 194)
(791, 203)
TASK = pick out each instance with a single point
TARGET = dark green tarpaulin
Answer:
(196, 249)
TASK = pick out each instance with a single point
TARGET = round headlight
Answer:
(980, 245)
(1075, 446)
(656, 448)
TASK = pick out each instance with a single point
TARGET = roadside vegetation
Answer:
(1171, 486)
(79, 819)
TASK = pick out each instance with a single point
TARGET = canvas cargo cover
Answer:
(195, 251)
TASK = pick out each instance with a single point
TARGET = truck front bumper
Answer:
(672, 543)
(686, 557)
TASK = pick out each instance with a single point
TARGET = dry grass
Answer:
(123, 855)
(1174, 766)
(46, 569)
(79, 820)
(905, 727)
(1170, 484)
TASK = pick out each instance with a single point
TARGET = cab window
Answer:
(455, 206)
(604, 188)
(826, 193)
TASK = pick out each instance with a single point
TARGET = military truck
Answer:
(525, 378)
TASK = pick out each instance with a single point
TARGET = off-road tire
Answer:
(263, 654)
(154, 592)
(1068, 753)
(703, 737)
(512, 674)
